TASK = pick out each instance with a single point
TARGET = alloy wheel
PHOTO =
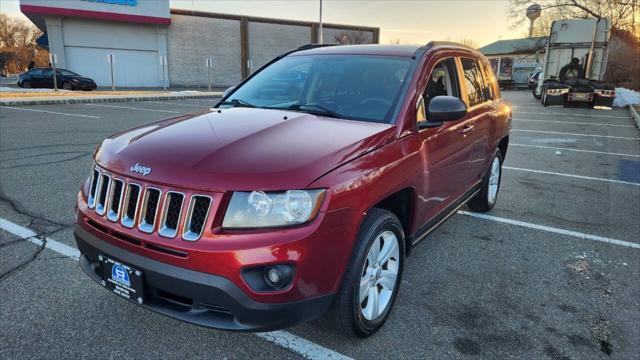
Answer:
(379, 274)
(494, 180)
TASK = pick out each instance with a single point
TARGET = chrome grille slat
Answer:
(115, 199)
(91, 199)
(171, 213)
(196, 218)
(101, 194)
(132, 197)
(149, 209)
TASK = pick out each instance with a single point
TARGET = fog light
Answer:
(272, 276)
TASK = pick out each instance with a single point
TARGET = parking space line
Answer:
(51, 112)
(569, 114)
(29, 235)
(576, 150)
(574, 134)
(306, 348)
(551, 229)
(573, 176)
(573, 122)
(300, 346)
(133, 108)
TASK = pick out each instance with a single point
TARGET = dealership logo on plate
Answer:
(119, 274)
(144, 170)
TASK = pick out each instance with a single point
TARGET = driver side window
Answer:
(442, 81)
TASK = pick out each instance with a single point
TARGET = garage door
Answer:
(133, 68)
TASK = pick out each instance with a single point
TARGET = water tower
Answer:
(533, 12)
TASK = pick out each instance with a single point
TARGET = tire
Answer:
(347, 313)
(486, 199)
(535, 94)
(67, 85)
(26, 85)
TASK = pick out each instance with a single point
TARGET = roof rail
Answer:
(313, 46)
(449, 43)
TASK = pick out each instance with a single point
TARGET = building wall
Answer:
(267, 41)
(192, 39)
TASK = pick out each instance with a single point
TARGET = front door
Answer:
(446, 150)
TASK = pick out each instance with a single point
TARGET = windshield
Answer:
(346, 86)
(66, 72)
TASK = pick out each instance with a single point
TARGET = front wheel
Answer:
(67, 85)
(372, 279)
(536, 94)
(486, 198)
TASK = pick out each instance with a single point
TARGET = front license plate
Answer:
(122, 279)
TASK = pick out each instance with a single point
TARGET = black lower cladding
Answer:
(196, 297)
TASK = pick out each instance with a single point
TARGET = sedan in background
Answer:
(43, 78)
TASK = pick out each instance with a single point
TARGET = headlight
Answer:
(272, 209)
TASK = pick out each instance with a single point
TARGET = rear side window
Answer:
(36, 72)
(473, 81)
(47, 72)
(490, 81)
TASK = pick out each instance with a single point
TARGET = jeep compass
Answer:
(301, 193)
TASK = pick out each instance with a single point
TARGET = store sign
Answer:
(116, 2)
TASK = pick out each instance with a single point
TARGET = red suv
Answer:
(301, 192)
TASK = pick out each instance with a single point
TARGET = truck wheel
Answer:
(544, 98)
(535, 93)
(486, 198)
(372, 278)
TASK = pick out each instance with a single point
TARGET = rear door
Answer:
(481, 114)
(446, 149)
(36, 78)
(47, 78)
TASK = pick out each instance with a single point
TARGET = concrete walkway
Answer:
(75, 99)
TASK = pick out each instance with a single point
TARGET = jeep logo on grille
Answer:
(141, 169)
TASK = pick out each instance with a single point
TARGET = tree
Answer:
(623, 14)
(352, 37)
(467, 41)
(18, 45)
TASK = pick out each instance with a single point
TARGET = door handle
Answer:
(467, 128)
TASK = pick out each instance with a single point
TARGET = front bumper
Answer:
(199, 298)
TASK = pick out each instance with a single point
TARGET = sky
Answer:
(410, 21)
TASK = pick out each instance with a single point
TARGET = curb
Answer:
(634, 115)
(89, 99)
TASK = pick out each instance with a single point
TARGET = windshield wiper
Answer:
(238, 103)
(317, 109)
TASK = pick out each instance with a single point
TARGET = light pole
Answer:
(320, 25)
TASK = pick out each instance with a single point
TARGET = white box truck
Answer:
(574, 65)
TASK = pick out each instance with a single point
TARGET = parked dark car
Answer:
(43, 78)
(301, 192)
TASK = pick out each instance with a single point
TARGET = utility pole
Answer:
(320, 25)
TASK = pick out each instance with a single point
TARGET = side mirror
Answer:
(445, 108)
(228, 91)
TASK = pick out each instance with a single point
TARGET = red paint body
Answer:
(359, 163)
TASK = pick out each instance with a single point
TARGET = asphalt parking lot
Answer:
(551, 273)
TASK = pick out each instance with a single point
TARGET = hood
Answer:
(240, 149)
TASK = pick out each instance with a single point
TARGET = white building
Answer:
(82, 34)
